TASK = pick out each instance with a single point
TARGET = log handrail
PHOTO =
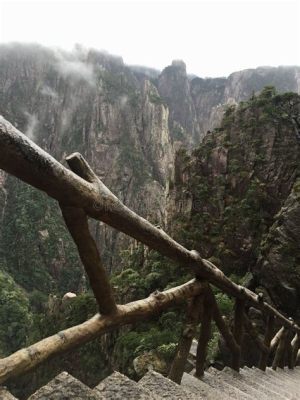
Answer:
(28, 358)
(81, 194)
(22, 158)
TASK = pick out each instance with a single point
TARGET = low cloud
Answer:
(123, 101)
(47, 91)
(75, 68)
(32, 123)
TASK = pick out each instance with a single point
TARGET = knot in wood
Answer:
(260, 297)
(158, 295)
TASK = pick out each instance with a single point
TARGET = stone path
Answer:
(249, 384)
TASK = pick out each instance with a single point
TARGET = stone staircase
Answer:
(249, 384)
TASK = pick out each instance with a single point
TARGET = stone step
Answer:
(119, 387)
(246, 385)
(165, 388)
(284, 373)
(201, 388)
(286, 377)
(268, 381)
(232, 392)
(249, 384)
(5, 394)
(266, 390)
(262, 378)
(65, 386)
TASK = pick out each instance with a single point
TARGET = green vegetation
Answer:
(156, 99)
(35, 246)
(15, 315)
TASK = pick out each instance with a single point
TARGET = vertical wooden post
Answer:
(267, 341)
(295, 347)
(238, 331)
(188, 333)
(279, 355)
(289, 350)
(224, 329)
(77, 224)
(205, 334)
(298, 358)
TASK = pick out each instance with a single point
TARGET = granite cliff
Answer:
(214, 161)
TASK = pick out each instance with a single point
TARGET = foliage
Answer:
(231, 180)
(15, 315)
(159, 335)
(35, 247)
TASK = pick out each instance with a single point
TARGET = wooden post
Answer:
(205, 334)
(295, 347)
(279, 355)
(251, 330)
(238, 330)
(225, 332)
(298, 358)
(188, 333)
(267, 341)
(289, 349)
(276, 339)
(77, 224)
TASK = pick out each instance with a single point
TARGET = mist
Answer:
(214, 38)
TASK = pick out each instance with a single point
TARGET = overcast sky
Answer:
(214, 38)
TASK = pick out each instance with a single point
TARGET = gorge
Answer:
(214, 161)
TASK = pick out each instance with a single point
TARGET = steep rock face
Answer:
(278, 268)
(92, 103)
(174, 87)
(229, 191)
(210, 96)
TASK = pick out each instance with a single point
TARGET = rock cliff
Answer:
(179, 150)
(128, 122)
(236, 196)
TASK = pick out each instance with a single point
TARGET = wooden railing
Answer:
(81, 194)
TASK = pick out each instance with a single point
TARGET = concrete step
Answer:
(246, 385)
(273, 384)
(65, 386)
(5, 394)
(229, 390)
(285, 374)
(119, 387)
(201, 388)
(258, 384)
(165, 388)
(287, 378)
(249, 384)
